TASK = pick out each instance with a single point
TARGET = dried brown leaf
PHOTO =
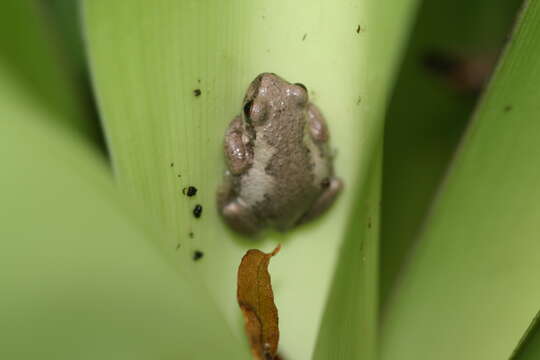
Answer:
(256, 300)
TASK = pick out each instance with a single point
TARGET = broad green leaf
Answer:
(79, 277)
(65, 18)
(349, 326)
(33, 52)
(427, 116)
(529, 346)
(468, 289)
(146, 63)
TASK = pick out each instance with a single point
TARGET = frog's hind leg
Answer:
(239, 217)
(333, 187)
(234, 212)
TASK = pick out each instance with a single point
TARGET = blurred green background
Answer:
(449, 54)
(428, 114)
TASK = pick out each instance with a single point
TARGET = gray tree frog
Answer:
(280, 170)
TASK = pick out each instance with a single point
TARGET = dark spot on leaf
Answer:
(507, 108)
(304, 37)
(440, 63)
(369, 223)
(178, 246)
(197, 211)
(359, 100)
(191, 191)
(358, 29)
(172, 164)
(197, 255)
(191, 234)
(179, 175)
(465, 74)
(197, 92)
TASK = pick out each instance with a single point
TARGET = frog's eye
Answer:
(300, 92)
(247, 109)
(254, 112)
(302, 86)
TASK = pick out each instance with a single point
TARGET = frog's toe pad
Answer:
(240, 218)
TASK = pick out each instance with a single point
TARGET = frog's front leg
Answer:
(317, 125)
(331, 186)
(239, 155)
(238, 149)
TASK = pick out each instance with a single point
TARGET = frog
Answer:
(280, 171)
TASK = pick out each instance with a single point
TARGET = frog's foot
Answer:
(239, 217)
(333, 187)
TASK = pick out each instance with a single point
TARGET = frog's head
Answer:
(268, 95)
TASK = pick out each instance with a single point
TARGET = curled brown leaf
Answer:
(256, 300)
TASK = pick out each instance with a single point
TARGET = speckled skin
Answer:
(280, 171)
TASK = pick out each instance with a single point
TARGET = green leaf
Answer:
(147, 61)
(35, 55)
(349, 326)
(65, 18)
(529, 346)
(427, 116)
(470, 278)
(80, 278)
